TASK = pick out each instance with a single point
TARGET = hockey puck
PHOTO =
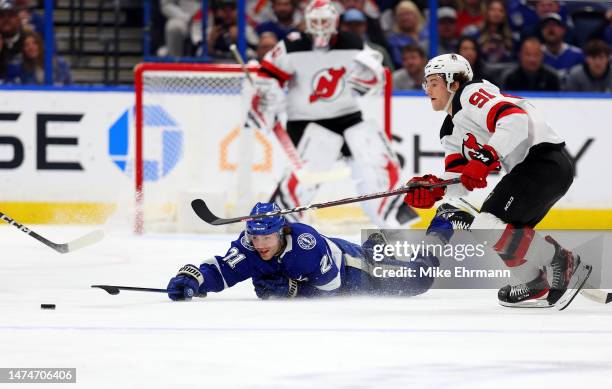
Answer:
(47, 306)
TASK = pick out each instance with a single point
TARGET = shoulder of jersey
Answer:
(465, 90)
(348, 41)
(297, 41)
(304, 237)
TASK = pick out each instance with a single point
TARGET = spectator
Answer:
(375, 33)
(470, 16)
(531, 73)
(557, 53)
(11, 30)
(178, 14)
(286, 19)
(31, 69)
(30, 20)
(595, 75)
(224, 31)
(355, 21)
(410, 76)
(267, 41)
(468, 48)
(407, 29)
(447, 25)
(2, 62)
(495, 36)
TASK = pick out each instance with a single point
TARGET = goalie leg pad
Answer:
(375, 169)
(320, 149)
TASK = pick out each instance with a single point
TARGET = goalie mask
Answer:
(448, 65)
(321, 22)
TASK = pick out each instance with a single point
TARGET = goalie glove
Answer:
(269, 97)
(366, 72)
(275, 287)
(186, 284)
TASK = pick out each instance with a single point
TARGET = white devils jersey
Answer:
(317, 79)
(483, 115)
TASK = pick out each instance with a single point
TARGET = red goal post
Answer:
(160, 85)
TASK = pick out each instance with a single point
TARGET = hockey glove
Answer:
(186, 284)
(275, 287)
(483, 162)
(366, 72)
(422, 197)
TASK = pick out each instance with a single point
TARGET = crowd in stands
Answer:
(543, 45)
(22, 48)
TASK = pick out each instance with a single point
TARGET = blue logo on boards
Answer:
(161, 134)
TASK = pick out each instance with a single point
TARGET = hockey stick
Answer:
(283, 138)
(112, 289)
(86, 240)
(201, 209)
(596, 295)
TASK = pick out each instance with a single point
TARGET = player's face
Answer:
(435, 87)
(267, 245)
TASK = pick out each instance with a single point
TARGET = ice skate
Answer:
(527, 295)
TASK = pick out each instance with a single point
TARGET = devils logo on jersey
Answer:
(327, 84)
(470, 146)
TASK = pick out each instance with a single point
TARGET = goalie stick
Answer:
(73, 245)
(113, 289)
(283, 138)
(201, 209)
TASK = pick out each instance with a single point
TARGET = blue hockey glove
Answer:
(186, 284)
(275, 287)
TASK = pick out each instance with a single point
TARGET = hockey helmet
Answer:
(321, 21)
(266, 225)
(448, 65)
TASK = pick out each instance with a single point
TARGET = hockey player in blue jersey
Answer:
(286, 260)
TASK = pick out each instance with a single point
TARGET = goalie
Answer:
(286, 260)
(323, 70)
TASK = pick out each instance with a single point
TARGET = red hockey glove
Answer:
(483, 162)
(421, 197)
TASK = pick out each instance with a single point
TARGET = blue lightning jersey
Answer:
(322, 266)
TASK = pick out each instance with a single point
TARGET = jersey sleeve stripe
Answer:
(268, 68)
(454, 163)
(499, 111)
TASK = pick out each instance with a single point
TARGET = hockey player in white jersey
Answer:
(486, 130)
(323, 70)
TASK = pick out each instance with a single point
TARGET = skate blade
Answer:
(527, 304)
(577, 282)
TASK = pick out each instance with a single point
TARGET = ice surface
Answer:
(443, 339)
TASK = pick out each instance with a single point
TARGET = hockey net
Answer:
(189, 142)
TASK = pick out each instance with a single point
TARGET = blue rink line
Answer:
(415, 93)
(310, 330)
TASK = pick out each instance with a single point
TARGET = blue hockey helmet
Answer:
(266, 225)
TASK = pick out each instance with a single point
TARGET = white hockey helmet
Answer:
(321, 21)
(449, 65)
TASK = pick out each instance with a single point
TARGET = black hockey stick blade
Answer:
(201, 209)
(86, 240)
(112, 289)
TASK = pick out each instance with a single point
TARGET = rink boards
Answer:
(67, 155)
